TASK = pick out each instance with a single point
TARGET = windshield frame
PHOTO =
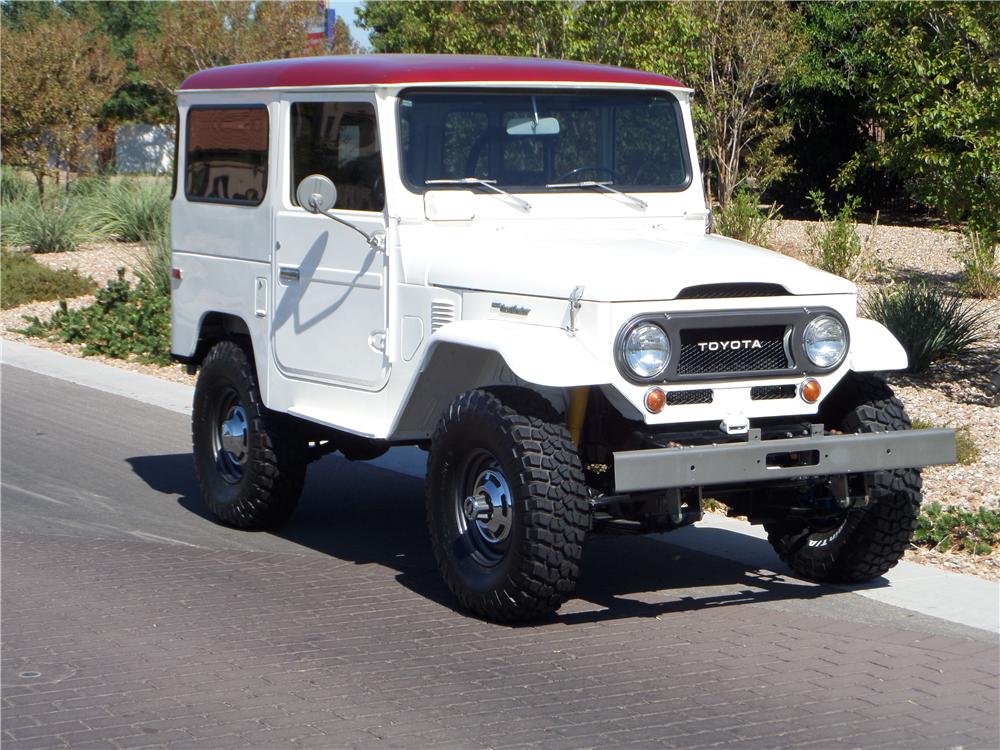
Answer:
(420, 189)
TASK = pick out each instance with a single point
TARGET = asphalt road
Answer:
(131, 619)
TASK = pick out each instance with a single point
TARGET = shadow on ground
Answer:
(364, 514)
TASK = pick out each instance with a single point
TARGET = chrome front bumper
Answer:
(761, 460)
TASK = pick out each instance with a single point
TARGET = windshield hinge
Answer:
(574, 306)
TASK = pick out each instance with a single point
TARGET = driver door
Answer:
(330, 288)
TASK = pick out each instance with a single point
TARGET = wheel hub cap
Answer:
(233, 435)
(489, 507)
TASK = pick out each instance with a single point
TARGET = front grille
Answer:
(717, 350)
(723, 291)
(684, 398)
(771, 392)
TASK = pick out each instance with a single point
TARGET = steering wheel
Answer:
(579, 170)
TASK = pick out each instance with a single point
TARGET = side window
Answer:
(339, 140)
(175, 157)
(226, 155)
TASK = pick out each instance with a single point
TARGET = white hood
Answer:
(625, 267)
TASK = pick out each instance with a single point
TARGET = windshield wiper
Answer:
(490, 184)
(602, 185)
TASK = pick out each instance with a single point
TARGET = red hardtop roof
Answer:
(353, 70)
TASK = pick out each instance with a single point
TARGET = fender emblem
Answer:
(714, 346)
(510, 309)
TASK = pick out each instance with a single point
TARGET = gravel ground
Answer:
(952, 395)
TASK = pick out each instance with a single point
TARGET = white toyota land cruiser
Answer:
(505, 261)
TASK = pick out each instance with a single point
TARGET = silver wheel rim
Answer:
(484, 510)
(229, 438)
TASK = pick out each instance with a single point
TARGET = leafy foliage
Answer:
(955, 528)
(743, 220)
(735, 55)
(221, 33)
(57, 75)
(23, 279)
(122, 323)
(931, 325)
(937, 92)
(132, 210)
(53, 225)
(903, 94)
(980, 265)
(836, 246)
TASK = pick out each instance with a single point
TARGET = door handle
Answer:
(288, 273)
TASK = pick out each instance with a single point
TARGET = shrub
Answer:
(742, 219)
(132, 210)
(153, 266)
(52, 226)
(122, 322)
(90, 186)
(955, 528)
(981, 270)
(23, 279)
(836, 246)
(14, 188)
(930, 324)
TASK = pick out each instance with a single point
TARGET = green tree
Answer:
(57, 73)
(735, 55)
(748, 50)
(197, 35)
(122, 21)
(902, 100)
(938, 94)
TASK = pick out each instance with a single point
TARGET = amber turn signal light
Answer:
(656, 399)
(810, 390)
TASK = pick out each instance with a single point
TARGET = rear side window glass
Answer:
(339, 140)
(226, 155)
(174, 157)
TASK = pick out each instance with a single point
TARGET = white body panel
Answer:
(471, 289)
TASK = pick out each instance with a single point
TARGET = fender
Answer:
(536, 354)
(874, 348)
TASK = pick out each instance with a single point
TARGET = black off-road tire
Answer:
(535, 569)
(867, 541)
(263, 492)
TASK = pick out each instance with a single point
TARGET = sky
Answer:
(345, 10)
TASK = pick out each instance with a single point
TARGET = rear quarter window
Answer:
(226, 155)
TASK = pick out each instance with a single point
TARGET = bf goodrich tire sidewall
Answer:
(459, 442)
(206, 402)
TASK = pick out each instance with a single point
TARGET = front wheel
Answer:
(863, 542)
(506, 505)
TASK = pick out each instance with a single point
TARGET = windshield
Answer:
(533, 140)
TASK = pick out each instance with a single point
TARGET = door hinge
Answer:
(260, 297)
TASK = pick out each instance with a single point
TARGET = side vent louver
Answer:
(442, 313)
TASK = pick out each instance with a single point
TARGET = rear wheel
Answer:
(250, 470)
(864, 542)
(506, 505)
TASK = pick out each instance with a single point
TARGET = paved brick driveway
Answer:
(155, 644)
(148, 625)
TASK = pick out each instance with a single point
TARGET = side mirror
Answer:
(316, 194)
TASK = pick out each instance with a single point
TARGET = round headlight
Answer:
(825, 341)
(646, 350)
